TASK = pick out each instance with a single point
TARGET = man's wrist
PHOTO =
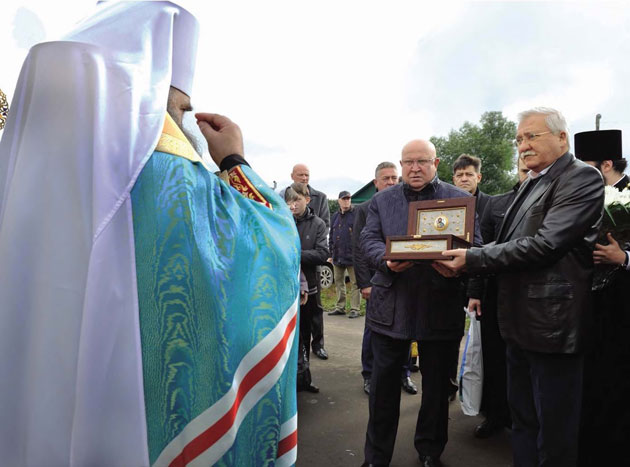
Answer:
(626, 262)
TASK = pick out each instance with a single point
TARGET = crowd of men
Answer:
(528, 277)
(150, 306)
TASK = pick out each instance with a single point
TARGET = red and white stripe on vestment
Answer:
(211, 434)
(287, 447)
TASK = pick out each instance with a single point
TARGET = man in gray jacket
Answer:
(544, 266)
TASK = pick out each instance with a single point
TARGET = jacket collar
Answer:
(536, 193)
(622, 183)
(308, 213)
(426, 192)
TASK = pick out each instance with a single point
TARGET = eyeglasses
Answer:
(420, 162)
(529, 137)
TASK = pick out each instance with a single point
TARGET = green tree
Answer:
(333, 206)
(491, 141)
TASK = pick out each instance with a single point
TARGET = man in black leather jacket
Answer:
(544, 266)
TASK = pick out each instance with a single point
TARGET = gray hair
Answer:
(383, 165)
(553, 118)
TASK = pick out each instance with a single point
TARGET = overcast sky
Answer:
(343, 85)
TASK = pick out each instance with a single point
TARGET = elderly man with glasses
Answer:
(410, 301)
(543, 261)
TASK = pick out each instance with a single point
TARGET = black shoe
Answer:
(321, 353)
(430, 461)
(408, 385)
(488, 428)
(366, 386)
(336, 313)
(312, 388)
(353, 314)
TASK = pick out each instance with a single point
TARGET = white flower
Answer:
(612, 195)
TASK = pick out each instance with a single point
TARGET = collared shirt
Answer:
(534, 175)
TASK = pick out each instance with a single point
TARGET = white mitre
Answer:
(86, 115)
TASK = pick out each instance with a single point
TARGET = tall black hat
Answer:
(600, 145)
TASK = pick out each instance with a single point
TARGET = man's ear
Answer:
(478, 177)
(606, 166)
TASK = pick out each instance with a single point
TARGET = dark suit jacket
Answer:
(494, 213)
(417, 303)
(490, 223)
(543, 259)
(362, 270)
(319, 204)
(481, 203)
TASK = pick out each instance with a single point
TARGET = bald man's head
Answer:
(419, 163)
(300, 174)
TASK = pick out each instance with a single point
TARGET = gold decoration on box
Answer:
(417, 246)
(443, 224)
(4, 109)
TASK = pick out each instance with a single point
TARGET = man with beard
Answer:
(139, 291)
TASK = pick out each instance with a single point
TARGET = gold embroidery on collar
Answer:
(173, 141)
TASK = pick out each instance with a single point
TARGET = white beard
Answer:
(192, 132)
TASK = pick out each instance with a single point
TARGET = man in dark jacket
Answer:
(544, 266)
(605, 426)
(340, 246)
(312, 231)
(410, 301)
(385, 176)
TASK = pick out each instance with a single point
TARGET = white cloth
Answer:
(86, 115)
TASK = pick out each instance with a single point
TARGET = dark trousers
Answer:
(431, 428)
(367, 356)
(494, 403)
(545, 396)
(312, 323)
(605, 420)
